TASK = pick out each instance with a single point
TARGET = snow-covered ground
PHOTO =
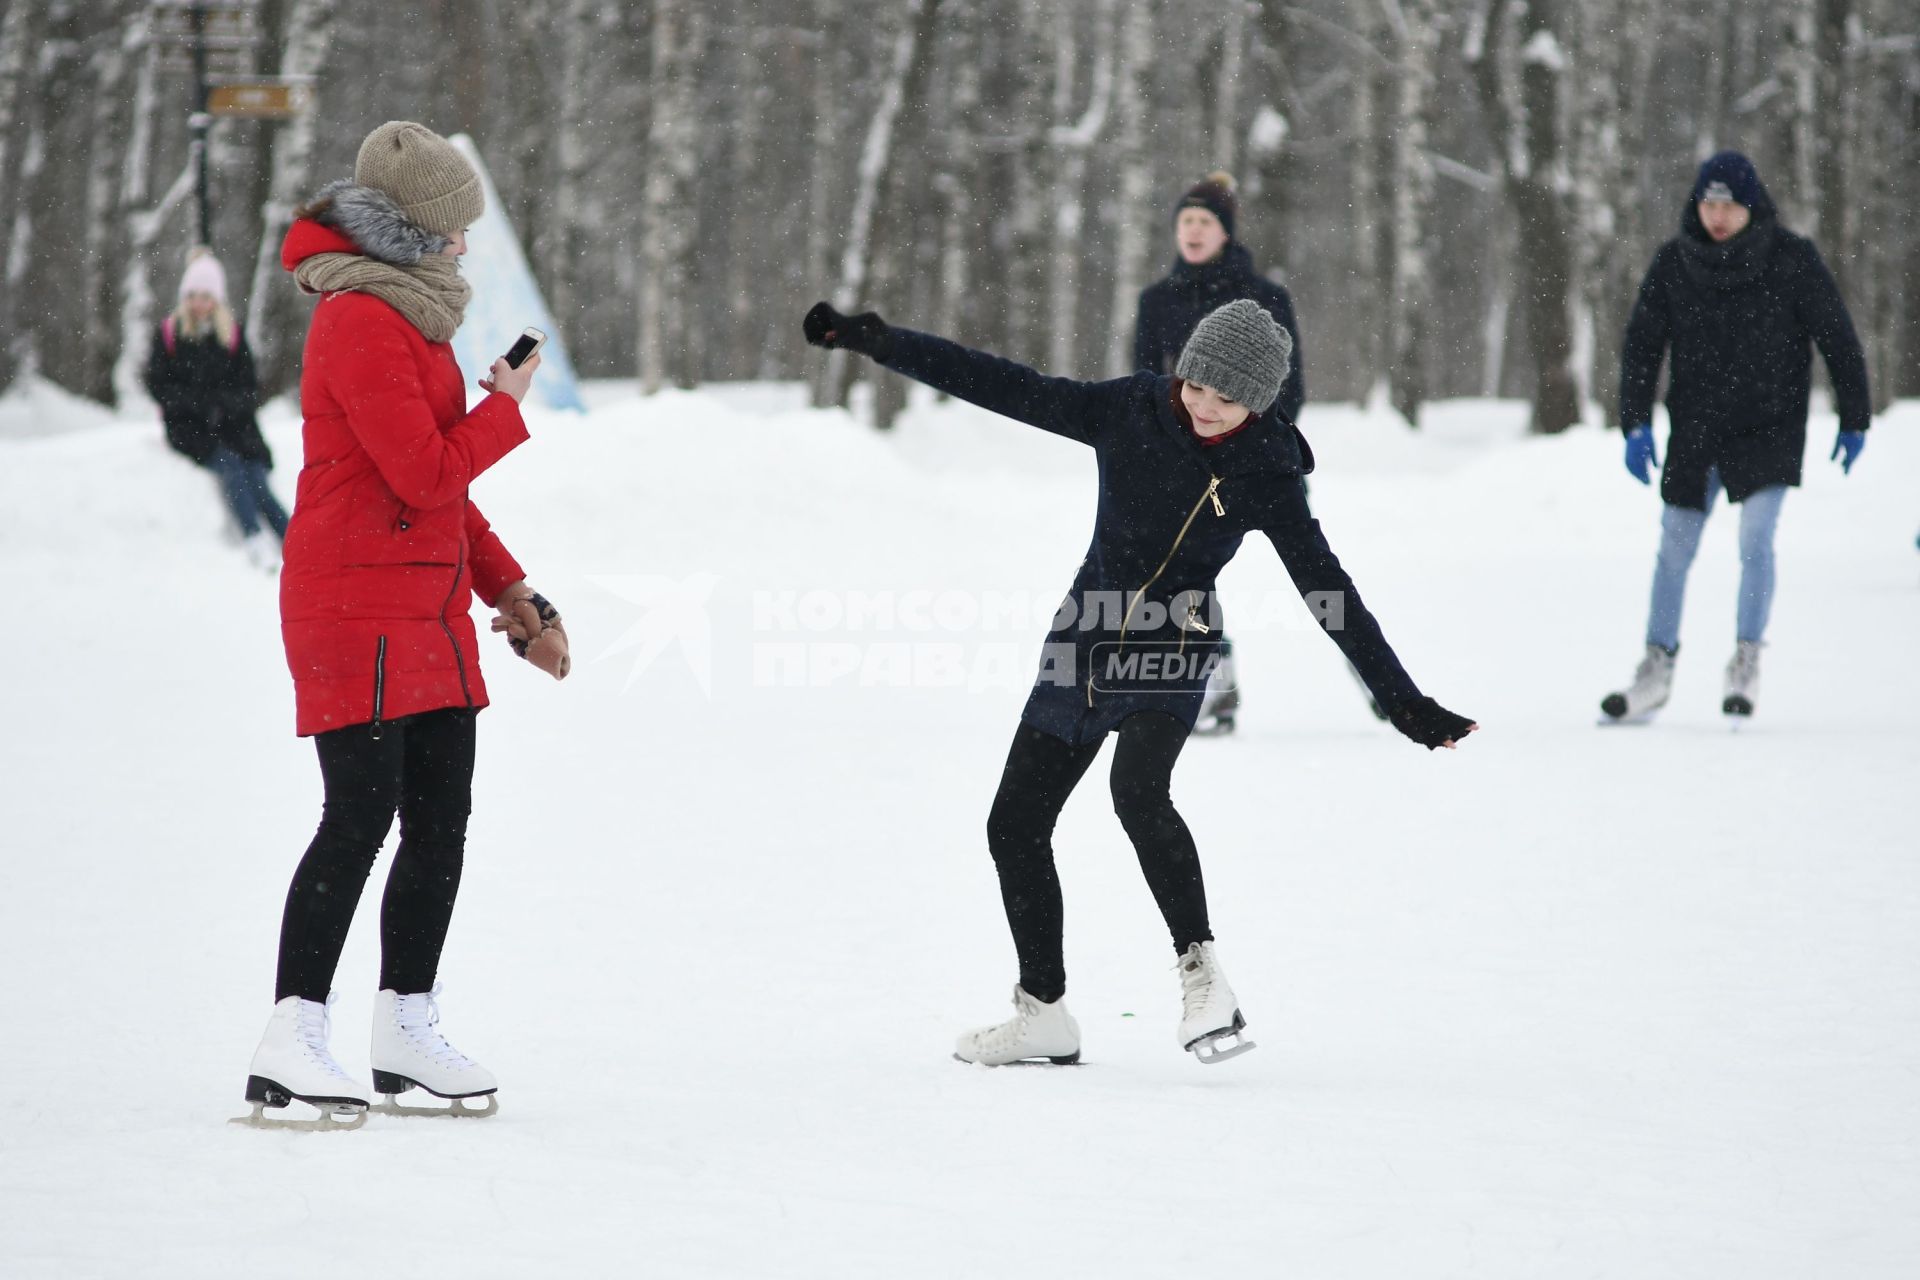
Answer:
(1569, 1002)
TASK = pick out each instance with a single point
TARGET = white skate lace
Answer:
(1196, 984)
(421, 1034)
(313, 1027)
(1007, 1035)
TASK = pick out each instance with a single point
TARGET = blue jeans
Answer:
(248, 497)
(1680, 538)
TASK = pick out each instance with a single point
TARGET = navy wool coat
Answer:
(1133, 633)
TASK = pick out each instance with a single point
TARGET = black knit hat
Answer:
(1214, 193)
(1728, 176)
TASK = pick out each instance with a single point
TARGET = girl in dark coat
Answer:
(1210, 269)
(1740, 302)
(201, 374)
(1187, 467)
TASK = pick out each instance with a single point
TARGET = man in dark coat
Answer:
(1212, 269)
(1738, 301)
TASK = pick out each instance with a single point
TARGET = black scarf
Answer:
(1735, 263)
(1218, 275)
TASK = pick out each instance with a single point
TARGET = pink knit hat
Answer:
(204, 274)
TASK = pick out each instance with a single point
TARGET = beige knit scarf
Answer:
(431, 294)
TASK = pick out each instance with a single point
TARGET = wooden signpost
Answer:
(214, 40)
(278, 98)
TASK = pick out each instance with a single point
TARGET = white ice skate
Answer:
(1221, 703)
(263, 550)
(293, 1064)
(409, 1052)
(1036, 1031)
(1743, 679)
(1652, 683)
(1210, 1016)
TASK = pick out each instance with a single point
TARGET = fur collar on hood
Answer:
(370, 218)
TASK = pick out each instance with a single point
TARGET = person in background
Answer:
(1210, 269)
(1739, 302)
(201, 374)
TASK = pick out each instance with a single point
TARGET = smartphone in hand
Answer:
(523, 348)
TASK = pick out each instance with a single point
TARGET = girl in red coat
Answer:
(382, 553)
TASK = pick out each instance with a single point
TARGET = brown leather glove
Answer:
(533, 627)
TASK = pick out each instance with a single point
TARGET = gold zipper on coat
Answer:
(1193, 624)
(1211, 495)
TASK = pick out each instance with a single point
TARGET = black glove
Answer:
(1430, 724)
(865, 333)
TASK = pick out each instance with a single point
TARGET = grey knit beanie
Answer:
(1241, 352)
(432, 183)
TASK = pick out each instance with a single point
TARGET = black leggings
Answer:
(1041, 772)
(422, 766)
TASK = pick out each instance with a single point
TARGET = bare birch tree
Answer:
(1521, 68)
(1132, 214)
(866, 221)
(679, 37)
(1416, 37)
(1616, 82)
(20, 86)
(1073, 139)
(274, 314)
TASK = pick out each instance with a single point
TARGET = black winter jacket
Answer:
(208, 393)
(1170, 308)
(1738, 318)
(1171, 513)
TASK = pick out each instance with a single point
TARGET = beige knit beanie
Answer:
(432, 183)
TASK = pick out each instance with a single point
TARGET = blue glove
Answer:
(1640, 454)
(1849, 443)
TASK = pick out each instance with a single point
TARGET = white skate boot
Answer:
(1036, 1030)
(1210, 1016)
(1221, 702)
(1652, 683)
(294, 1063)
(1743, 679)
(263, 550)
(408, 1052)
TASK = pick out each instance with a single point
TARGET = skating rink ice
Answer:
(1569, 1002)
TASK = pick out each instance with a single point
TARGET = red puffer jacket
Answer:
(384, 545)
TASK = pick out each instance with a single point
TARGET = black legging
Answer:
(422, 766)
(1041, 772)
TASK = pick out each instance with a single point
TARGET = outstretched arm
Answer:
(1063, 406)
(1336, 605)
